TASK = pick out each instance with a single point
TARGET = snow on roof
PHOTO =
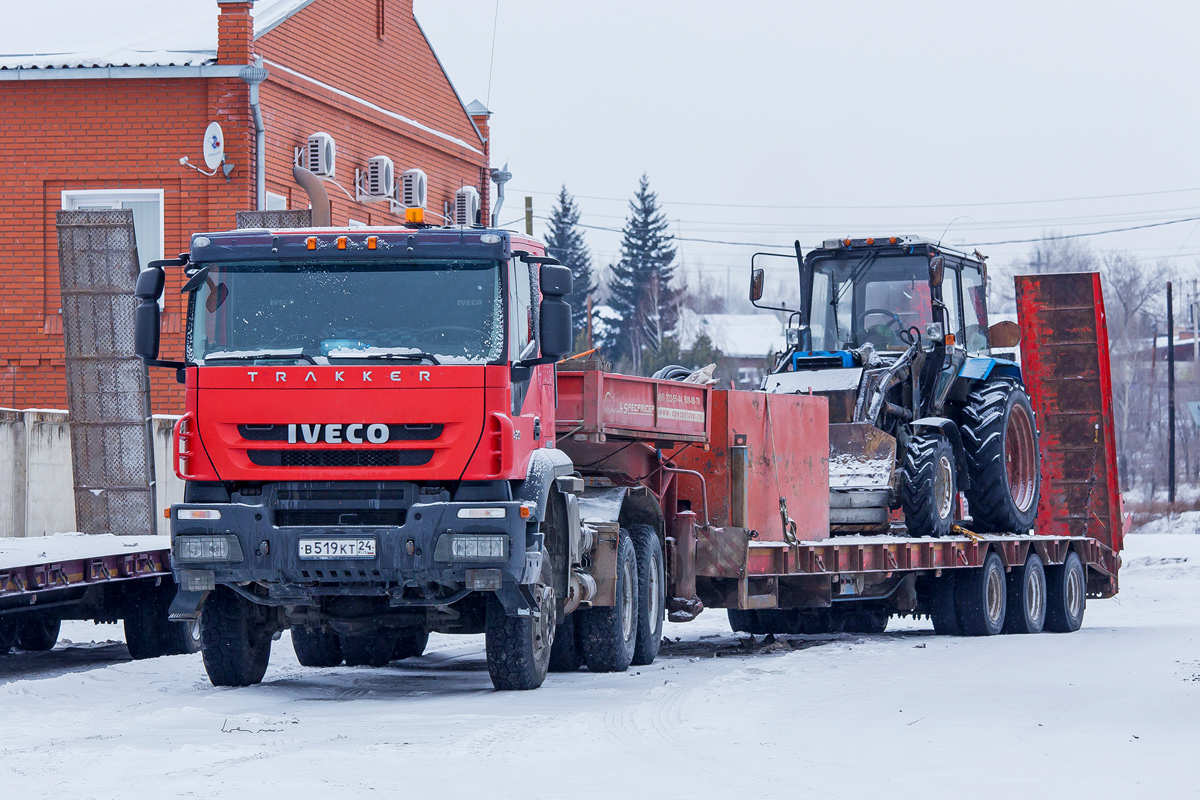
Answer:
(735, 335)
(122, 33)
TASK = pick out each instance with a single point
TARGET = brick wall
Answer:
(121, 134)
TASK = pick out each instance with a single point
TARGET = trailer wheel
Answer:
(316, 648)
(1066, 595)
(1001, 444)
(8, 635)
(235, 640)
(566, 654)
(608, 635)
(744, 621)
(367, 651)
(652, 594)
(927, 485)
(518, 648)
(943, 608)
(864, 621)
(410, 644)
(1027, 597)
(982, 598)
(38, 634)
(149, 633)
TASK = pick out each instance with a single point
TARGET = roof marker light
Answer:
(341, 243)
(416, 215)
(312, 243)
(372, 242)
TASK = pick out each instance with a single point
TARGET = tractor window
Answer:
(872, 298)
(950, 298)
(974, 310)
(823, 325)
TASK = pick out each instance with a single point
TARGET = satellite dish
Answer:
(213, 145)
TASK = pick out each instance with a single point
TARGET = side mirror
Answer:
(557, 337)
(150, 283)
(757, 278)
(1004, 334)
(146, 322)
(556, 281)
(937, 271)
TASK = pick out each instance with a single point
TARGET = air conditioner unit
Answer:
(381, 177)
(466, 206)
(414, 186)
(322, 155)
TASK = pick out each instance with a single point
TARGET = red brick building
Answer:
(125, 88)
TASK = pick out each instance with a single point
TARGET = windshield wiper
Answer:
(254, 356)
(387, 357)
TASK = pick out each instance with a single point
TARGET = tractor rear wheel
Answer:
(928, 487)
(1001, 443)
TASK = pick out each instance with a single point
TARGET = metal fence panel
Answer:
(107, 385)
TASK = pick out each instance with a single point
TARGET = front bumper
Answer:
(407, 567)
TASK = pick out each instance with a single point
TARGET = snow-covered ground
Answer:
(1110, 711)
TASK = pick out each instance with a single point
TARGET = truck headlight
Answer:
(471, 547)
(204, 549)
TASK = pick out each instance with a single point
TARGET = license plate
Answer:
(338, 548)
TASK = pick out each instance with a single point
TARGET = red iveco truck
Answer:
(377, 445)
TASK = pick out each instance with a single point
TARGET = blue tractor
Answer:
(927, 407)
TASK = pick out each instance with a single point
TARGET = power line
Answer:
(1082, 235)
(886, 207)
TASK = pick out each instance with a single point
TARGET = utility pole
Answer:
(589, 322)
(1170, 397)
(529, 216)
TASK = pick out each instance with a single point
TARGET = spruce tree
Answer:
(641, 289)
(564, 241)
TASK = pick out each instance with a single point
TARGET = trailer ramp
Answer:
(1065, 364)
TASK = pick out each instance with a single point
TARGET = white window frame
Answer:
(112, 198)
(276, 202)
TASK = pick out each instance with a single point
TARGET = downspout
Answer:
(252, 75)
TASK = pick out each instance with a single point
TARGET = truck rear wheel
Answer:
(1001, 444)
(367, 651)
(1027, 597)
(410, 644)
(235, 640)
(744, 621)
(982, 597)
(518, 648)
(8, 635)
(566, 654)
(1066, 595)
(38, 634)
(652, 594)
(316, 648)
(928, 487)
(609, 634)
(872, 620)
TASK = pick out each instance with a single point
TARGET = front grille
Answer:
(808, 363)
(339, 458)
(408, 432)
(332, 517)
(341, 494)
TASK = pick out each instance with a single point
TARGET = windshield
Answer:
(869, 299)
(433, 311)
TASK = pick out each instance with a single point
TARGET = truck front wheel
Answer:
(235, 639)
(518, 648)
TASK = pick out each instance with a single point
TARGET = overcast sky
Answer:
(763, 122)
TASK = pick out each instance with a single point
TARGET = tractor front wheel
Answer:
(928, 487)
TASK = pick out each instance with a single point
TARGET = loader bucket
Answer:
(1065, 364)
(861, 462)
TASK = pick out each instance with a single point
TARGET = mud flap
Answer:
(186, 606)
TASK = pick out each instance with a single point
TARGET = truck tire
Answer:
(943, 608)
(1027, 597)
(518, 648)
(928, 487)
(864, 620)
(410, 644)
(1001, 444)
(566, 654)
(37, 634)
(982, 598)
(744, 621)
(1066, 595)
(367, 651)
(652, 594)
(8, 635)
(316, 648)
(235, 640)
(609, 634)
